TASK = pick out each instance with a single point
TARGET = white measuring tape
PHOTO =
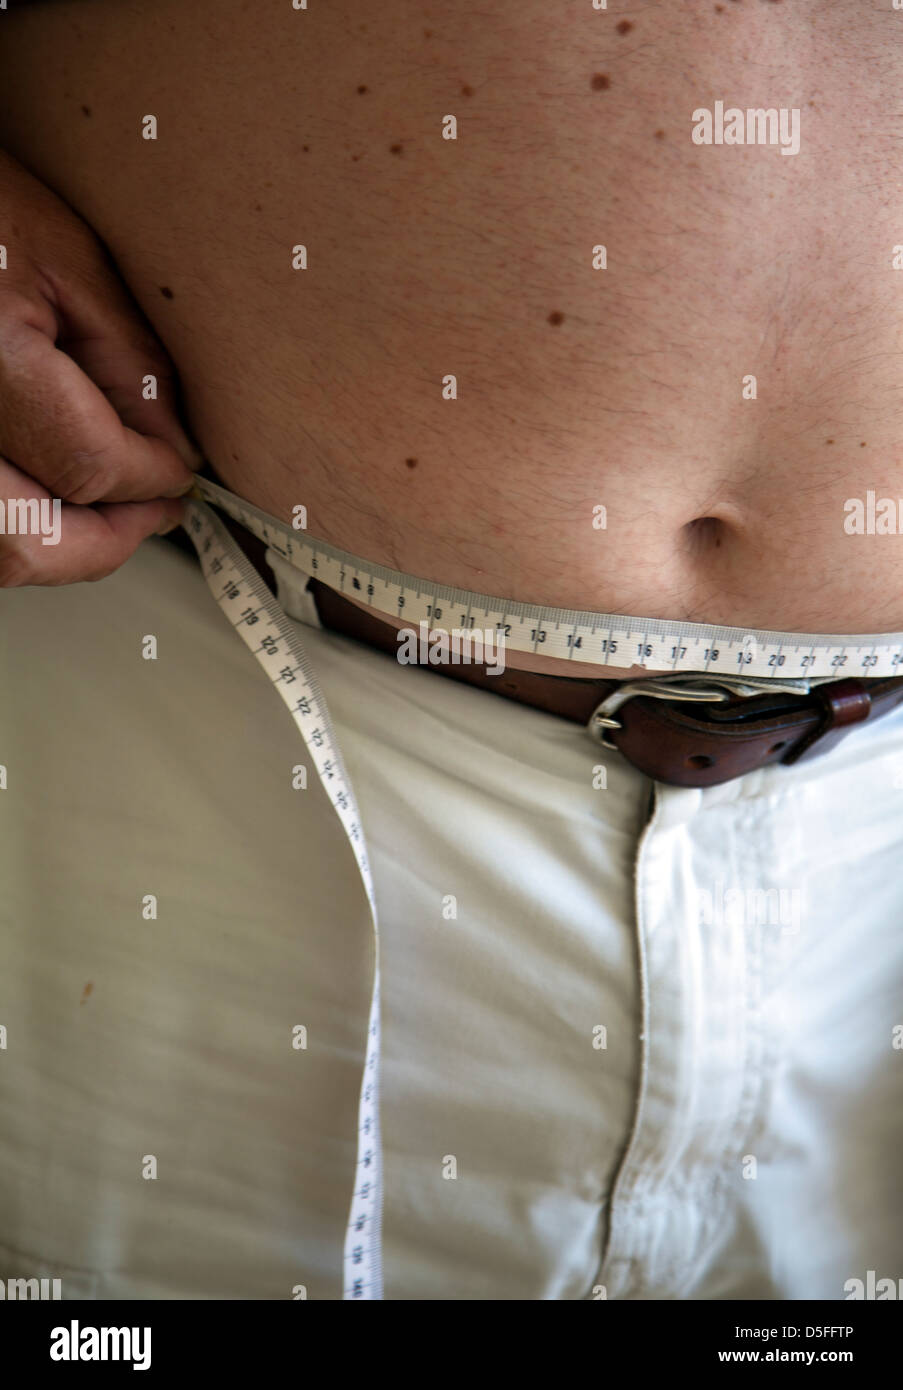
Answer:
(263, 626)
(604, 639)
(601, 638)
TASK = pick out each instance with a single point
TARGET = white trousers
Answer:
(638, 1041)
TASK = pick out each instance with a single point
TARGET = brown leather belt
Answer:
(680, 741)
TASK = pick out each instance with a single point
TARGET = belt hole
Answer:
(775, 746)
(700, 760)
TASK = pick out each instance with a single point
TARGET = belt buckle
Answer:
(601, 717)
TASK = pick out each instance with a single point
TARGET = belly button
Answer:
(705, 532)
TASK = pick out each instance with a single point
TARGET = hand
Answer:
(74, 352)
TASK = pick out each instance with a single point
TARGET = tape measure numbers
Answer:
(272, 637)
(604, 639)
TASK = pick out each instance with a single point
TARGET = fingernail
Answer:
(192, 456)
(166, 526)
(180, 491)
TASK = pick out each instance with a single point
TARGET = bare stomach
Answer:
(460, 384)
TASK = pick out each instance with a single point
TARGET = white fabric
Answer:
(579, 1169)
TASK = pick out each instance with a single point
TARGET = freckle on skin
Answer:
(829, 441)
(411, 463)
(466, 91)
(624, 27)
(396, 149)
(258, 208)
(87, 110)
(88, 988)
(862, 445)
(427, 33)
(600, 82)
(166, 292)
(659, 135)
(305, 148)
(361, 89)
(555, 318)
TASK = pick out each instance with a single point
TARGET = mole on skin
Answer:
(556, 318)
(600, 82)
(412, 463)
(166, 292)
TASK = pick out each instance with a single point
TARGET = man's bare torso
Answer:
(477, 258)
